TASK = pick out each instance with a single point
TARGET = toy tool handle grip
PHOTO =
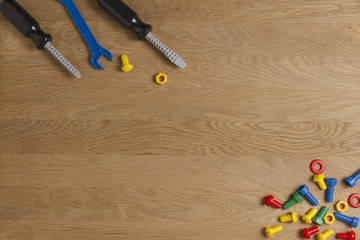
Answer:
(125, 15)
(24, 22)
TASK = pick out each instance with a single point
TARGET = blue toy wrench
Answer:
(96, 50)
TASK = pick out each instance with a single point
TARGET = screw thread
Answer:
(330, 194)
(323, 212)
(357, 175)
(312, 213)
(125, 60)
(343, 218)
(286, 218)
(328, 233)
(276, 229)
(322, 184)
(344, 236)
(289, 203)
(314, 230)
(311, 199)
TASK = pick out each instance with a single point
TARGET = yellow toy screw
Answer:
(319, 179)
(289, 218)
(307, 217)
(271, 231)
(325, 235)
(127, 67)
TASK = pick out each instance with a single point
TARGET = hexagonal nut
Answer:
(341, 206)
(331, 217)
(161, 78)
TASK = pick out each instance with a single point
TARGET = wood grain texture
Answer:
(269, 86)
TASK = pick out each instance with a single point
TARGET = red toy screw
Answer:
(270, 201)
(347, 236)
(308, 232)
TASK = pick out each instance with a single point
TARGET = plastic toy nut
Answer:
(329, 218)
(314, 163)
(351, 200)
(161, 78)
(341, 206)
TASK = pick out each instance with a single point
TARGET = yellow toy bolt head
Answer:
(127, 68)
(294, 217)
(269, 232)
(306, 219)
(318, 177)
(320, 236)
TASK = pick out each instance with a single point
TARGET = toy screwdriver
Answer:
(30, 28)
(130, 19)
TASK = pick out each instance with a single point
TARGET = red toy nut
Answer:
(351, 200)
(314, 163)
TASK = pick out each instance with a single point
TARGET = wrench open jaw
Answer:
(95, 56)
(96, 50)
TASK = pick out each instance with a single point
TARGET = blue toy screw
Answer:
(351, 181)
(354, 221)
(304, 191)
(331, 182)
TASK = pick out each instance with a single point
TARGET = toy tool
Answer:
(130, 19)
(96, 50)
(30, 28)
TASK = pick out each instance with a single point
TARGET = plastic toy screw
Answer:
(353, 221)
(347, 236)
(331, 182)
(304, 191)
(351, 181)
(325, 235)
(318, 219)
(127, 67)
(307, 217)
(270, 201)
(308, 232)
(296, 198)
(271, 231)
(319, 179)
(289, 218)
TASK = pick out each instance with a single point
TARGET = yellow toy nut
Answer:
(161, 78)
(341, 206)
(331, 217)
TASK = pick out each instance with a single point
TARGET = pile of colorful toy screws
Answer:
(318, 216)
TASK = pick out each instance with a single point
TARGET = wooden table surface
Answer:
(269, 86)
